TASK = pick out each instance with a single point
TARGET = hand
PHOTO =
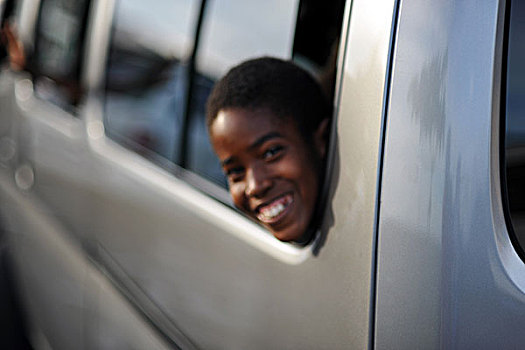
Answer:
(15, 48)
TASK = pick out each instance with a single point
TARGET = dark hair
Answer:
(9, 11)
(285, 89)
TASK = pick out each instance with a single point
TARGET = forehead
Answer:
(244, 126)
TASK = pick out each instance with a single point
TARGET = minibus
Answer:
(116, 218)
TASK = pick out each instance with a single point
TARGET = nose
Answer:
(257, 181)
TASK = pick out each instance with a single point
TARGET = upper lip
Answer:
(265, 203)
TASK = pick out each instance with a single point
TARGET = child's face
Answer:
(273, 175)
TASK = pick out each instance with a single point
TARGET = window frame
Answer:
(505, 56)
(177, 167)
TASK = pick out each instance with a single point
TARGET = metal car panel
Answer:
(62, 288)
(49, 275)
(221, 280)
(448, 276)
(150, 261)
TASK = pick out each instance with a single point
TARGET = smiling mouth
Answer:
(275, 210)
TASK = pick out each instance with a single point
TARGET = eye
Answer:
(273, 152)
(234, 174)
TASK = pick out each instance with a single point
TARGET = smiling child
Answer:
(267, 121)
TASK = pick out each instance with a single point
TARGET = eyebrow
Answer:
(264, 138)
(257, 143)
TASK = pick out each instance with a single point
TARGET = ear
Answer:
(321, 137)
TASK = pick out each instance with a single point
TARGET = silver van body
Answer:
(112, 251)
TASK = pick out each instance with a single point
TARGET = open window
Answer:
(158, 81)
(59, 46)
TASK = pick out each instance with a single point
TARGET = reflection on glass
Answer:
(58, 50)
(145, 82)
(59, 36)
(228, 38)
(236, 30)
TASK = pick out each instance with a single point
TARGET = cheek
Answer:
(301, 167)
(305, 171)
(237, 194)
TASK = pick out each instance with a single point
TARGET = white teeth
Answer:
(273, 211)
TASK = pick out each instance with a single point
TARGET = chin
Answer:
(287, 236)
(283, 238)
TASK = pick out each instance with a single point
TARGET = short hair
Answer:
(284, 88)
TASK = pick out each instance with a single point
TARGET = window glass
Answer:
(236, 30)
(145, 83)
(514, 159)
(58, 50)
(317, 40)
(158, 79)
(233, 31)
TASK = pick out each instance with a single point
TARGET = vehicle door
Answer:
(164, 227)
(450, 249)
(41, 201)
